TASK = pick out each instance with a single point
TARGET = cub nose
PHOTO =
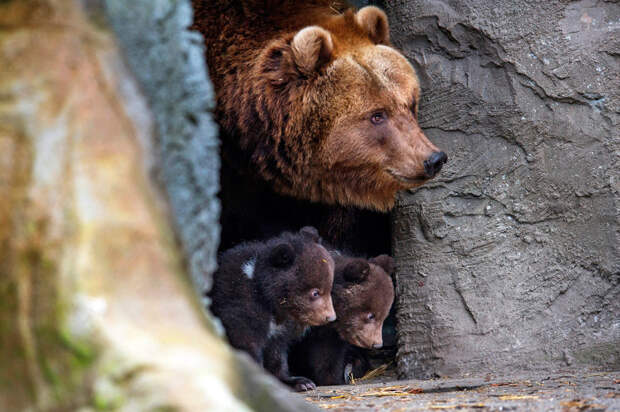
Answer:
(330, 318)
(433, 164)
(377, 345)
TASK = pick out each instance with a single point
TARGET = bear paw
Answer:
(301, 384)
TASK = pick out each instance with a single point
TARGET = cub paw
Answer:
(301, 384)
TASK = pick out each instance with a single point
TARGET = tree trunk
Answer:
(510, 260)
(96, 310)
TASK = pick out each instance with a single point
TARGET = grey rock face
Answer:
(510, 258)
(168, 60)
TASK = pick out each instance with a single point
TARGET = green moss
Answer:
(64, 358)
(83, 352)
(51, 377)
(105, 401)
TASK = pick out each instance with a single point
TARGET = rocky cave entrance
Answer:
(509, 258)
(507, 263)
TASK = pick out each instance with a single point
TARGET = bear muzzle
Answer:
(330, 313)
(324, 314)
(414, 180)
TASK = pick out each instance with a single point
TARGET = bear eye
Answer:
(370, 316)
(314, 294)
(377, 118)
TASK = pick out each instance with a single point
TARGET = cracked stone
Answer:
(540, 142)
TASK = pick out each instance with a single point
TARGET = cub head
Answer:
(350, 103)
(363, 294)
(301, 278)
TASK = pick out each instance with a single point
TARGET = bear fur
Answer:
(267, 293)
(362, 294)
(314, 105)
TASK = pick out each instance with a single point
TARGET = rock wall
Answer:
(168, 60)
(509, 260)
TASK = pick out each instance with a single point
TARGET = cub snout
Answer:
(325, 314)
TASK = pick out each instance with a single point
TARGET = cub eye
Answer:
(377, 118)
(314, 294)
(370, 316)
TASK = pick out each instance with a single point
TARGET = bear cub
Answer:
(266, 294)
(362, 294)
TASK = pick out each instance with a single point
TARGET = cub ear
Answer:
(356, 271)
(385, 262)
(310, 233)
(282, 256)
(375, 23)
(312, 49)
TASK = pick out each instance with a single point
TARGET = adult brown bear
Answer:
(318, 117)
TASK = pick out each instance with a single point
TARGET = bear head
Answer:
(363, 294)
(342, 110)
(296, 276)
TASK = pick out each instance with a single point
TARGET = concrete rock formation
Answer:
(510, 258)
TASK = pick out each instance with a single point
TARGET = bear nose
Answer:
(377, 345)
(433, 164)
(330, 318)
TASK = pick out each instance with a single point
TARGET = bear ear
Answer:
(385, 262)
(375, 23)
(282, 256)
(312, 49)
(310, 233)
(356, 271)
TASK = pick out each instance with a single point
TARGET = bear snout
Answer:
(330, 314)
(434, 163)
(322, 312)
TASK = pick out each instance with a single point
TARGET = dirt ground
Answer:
(586, 391)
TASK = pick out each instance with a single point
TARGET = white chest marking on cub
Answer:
(248, 268)
(274, 329)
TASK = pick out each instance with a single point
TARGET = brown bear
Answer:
(362, 294)
(314, 105)
(267, 293)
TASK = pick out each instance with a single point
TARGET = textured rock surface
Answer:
(510, 258)
(96, 311)
(181, 100)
